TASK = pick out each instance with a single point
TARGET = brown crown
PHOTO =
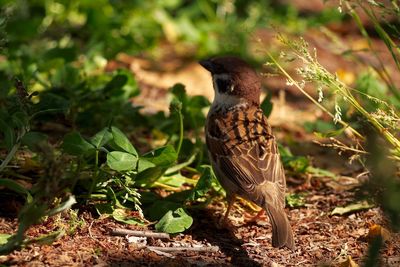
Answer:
(247, 82)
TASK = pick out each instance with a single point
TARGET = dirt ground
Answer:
(321, 239)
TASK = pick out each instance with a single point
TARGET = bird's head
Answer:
(234, 81)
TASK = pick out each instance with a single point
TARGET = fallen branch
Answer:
(180, 249)
(123, 232)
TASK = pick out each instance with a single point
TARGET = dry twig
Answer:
(123, 232)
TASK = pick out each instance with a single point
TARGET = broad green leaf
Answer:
(160, 207)
(4, 238)
(101, 138)
(180, 92)
(33, 140)
(115, 85)
(149, 176)
(297, 164)
(180, 166)
(267, 105)
(121, 161)
(122, 141)
(163, 156)
(120, 215)
(363, 205)
(175, 180)
(74, 144)
(204, 184)
(174, 222)
(144, 164)
(104, 208)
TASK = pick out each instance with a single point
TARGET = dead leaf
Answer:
(363, 205)
(343, 183)
(378, 231)
(348, 263)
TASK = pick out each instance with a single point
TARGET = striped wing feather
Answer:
(245, 152)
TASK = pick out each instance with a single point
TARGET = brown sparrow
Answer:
(242, 149)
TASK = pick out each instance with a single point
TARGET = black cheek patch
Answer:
(223, 85)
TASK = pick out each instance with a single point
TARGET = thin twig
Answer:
(180, 249)
(123, 232)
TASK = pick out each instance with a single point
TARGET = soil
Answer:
(322, 239)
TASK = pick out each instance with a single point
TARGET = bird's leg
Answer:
(231, 200)
(225, 220)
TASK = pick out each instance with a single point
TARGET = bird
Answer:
(242, 149)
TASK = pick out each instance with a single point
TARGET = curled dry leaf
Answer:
(376, 231)
(348, 263)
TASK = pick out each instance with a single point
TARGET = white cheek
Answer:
(226, 100)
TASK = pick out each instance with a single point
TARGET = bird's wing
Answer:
(246, 153)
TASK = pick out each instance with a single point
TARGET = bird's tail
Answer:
(282, 234)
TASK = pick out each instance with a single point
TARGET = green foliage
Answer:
(174, 222)
(295, 200)
(267, 105)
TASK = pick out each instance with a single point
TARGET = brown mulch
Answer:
(320, 239)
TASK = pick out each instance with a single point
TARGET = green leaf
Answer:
(74, 144)
(120, 215)
(144, 164)
(122, 141)
(4, 238)
(46, 239)
(20, 119)
(174, 222)
(101, 138)
(115, 85)
(175, 180)
(204, 184)
(317, 172)
(267, 105)
(63, 206)
(180, 92)
(8, 133)
(297, 164)
(121, 161)
(163, 156)
(160, 207)
(149, 176)
(104, 208)
(295, 200)
(33, 140)
(363, 205)
(16, 187)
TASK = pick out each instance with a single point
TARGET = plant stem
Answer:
(180, 132)
(96, 173)
(310, 97)
(9, 157)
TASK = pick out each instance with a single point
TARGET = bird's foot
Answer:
(260, 216)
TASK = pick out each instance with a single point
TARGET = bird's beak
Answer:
(207, 64)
